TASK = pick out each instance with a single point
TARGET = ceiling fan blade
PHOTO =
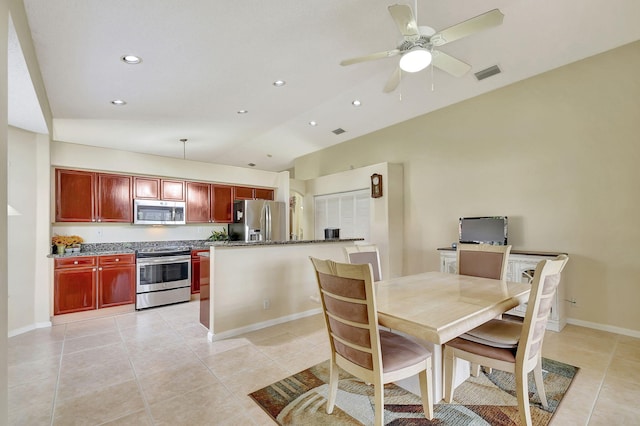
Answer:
(490, 19)
(394, 80)
(405, 21)
(371, 57)
(450, 64)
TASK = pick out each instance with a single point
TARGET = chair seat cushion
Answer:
(400, 351)
(502, 354)
(496, 333)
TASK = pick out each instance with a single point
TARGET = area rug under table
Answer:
(488, 399)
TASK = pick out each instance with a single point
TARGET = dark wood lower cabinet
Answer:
(116, 280)
(86, 283)
(196, 262)
(75, 290)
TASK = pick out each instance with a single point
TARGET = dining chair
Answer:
(511, 347)
(358, 254)
(483, 260)
(358, 346)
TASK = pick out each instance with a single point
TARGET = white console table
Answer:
(520, 268)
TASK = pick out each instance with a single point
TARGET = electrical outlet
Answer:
(573, 301)
(266, 304)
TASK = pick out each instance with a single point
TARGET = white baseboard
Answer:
(604, 327)
(257, 326)
(27, 328)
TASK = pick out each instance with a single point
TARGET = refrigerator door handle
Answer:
(268, 221)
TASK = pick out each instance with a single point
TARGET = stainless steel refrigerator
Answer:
(258, 220)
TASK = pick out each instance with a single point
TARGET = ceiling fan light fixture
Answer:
(415, 60)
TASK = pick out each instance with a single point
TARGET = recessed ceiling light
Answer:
(131, 59)
(356, 103)
(313, 123)
(251, 164)
(279, 83)
(118, 102)
(242, 111)
(269, 155)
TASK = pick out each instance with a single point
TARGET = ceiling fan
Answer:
(417, 47)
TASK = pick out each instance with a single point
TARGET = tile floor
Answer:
(156, 367)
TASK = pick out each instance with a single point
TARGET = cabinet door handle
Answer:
(75, 262)
(94, 269)
(100, 268)
(93, 220)
(117, 260)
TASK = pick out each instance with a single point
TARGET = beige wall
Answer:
(556, 153)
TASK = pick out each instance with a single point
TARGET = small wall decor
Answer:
(376, 185)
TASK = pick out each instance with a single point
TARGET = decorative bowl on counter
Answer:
(68, 250)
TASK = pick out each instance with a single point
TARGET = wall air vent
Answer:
(338, 131)
(488, 72)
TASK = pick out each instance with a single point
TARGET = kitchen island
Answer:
(256, 285)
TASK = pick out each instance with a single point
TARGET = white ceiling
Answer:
(205, 60)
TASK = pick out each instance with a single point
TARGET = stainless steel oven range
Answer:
(163, 276)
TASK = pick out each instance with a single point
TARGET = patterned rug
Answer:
(488, 399)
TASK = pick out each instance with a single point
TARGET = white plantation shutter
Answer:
(348, 211)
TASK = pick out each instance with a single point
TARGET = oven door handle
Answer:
(163, 260)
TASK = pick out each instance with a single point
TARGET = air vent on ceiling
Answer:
(338, 131)
(488, 72)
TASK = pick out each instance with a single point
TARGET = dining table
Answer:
(436, 307)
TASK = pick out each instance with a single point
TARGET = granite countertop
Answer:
(276, 243)
(98, 249)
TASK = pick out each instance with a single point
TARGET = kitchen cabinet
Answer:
(222, 203)
(263, 194)
(248, 193)
(196, 262)
(74, 288)
(243, 193)
(92, 197)
(520, 268)
(86, 283)
(209, 203)
(198, 202)
(152, 188)
(116, 280)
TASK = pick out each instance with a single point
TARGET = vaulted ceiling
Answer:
(204, 61)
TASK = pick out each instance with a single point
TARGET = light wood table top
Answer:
(438, 307)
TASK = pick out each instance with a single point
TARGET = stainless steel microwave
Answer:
(157, 212)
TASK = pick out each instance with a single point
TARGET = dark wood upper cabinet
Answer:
(83, 196)
(158, 189)
(172, 190)
(92, 197)
(115, 203)
(243, 193)
(146, 188)
(75, 196)
(198, 202)
(263, 194)
(222, 203)
(248, 193)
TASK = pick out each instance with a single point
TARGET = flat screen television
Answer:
(483, 230)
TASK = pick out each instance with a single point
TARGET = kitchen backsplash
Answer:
(116, 233)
